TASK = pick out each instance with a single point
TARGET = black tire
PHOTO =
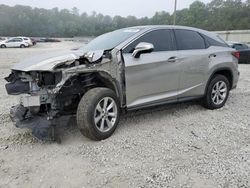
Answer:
(3, 46)
(22, 46)
(87, 109)
(208, 98)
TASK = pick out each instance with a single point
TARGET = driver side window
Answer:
(161, 39)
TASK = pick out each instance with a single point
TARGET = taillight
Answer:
(236, 54)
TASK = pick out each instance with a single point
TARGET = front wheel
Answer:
(217, 92)
(3, 46)
(98, 113)
(22, 46)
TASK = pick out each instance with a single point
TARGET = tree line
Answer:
(24, 20)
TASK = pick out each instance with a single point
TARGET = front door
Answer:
(153, 77)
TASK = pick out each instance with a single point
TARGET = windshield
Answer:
(110, 40)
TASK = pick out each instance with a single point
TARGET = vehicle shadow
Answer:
(130, 118)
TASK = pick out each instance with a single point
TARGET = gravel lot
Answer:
(182, 145)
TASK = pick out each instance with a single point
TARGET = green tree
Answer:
(24, 20)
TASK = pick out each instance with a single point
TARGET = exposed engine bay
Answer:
(51, 89)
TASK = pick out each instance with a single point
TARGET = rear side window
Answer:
(15, 40)
(212, 42)
(189, 40)
(161, 39)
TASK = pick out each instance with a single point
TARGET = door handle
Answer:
(212, 55)
(172, 59)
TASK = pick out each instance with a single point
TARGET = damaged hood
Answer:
(47, 62)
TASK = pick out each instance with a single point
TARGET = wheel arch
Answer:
(107, 81)
(81, 83)
(222, 71)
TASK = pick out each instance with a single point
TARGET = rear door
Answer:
(194, 59)
(18, 42)
(153, 77)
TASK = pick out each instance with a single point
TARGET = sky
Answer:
(138, 8)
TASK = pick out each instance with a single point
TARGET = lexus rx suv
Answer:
(123, 70)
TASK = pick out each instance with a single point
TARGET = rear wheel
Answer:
(98, 113)
(217, 92)
(3, 46)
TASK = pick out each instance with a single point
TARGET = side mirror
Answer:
(141, 48)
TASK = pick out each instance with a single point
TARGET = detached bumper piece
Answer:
(41, 127)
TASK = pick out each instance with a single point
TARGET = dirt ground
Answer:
(182, 145)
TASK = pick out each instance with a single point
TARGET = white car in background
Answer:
(3, 38)
(27, 39)
(17, 42)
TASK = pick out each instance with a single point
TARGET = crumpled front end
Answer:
(35, 110)
(49, 97)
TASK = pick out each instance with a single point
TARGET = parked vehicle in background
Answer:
(27, 39)
(123, 70)
(16, 42)
(33, 41)
(3, 38)
(47, 40)
(244, 50)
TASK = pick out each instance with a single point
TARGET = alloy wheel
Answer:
(219, 92)
(105, 115)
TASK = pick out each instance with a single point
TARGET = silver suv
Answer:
(123, 70)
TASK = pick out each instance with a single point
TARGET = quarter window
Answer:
(189, 40)
(161, 39)
(213, 42)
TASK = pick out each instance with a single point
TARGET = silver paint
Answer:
(150, 78)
